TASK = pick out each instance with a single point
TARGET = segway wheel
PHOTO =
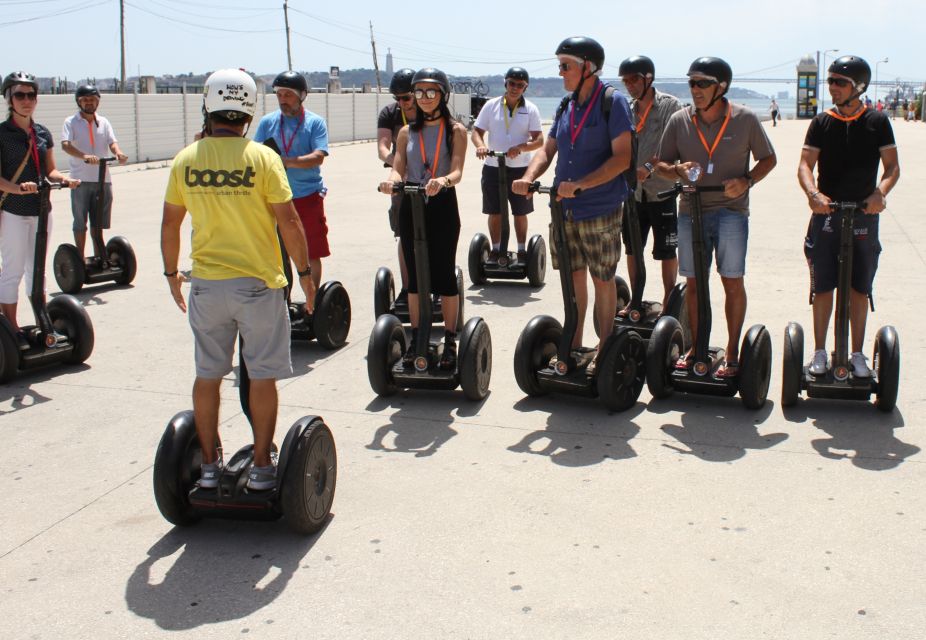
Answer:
(386, 346)
(475, 359)
(792, 367)
(536, 345)
(70, 318)
(69, 269)
(676, 307)
(310, 478)
(887, 365)
(331, 318)
(383, 292)
(460, 316)
(478, 255)
(9, 352)
(176, 469)
(622, 370)
(121, 254)
(666, 346)
(536, 261)
(623, 293)
(755, 366)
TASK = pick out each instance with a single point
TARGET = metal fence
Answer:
(153, 127)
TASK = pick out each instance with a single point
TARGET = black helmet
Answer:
(518, 73)
(18, 77)
(85, 90)
(855, 68)
(430, 74)
(584, 49)
(401, 81)
(292, 80)
(713, 68)
(637, 65)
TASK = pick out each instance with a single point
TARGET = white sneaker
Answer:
(209, 474)
(818, 365)
(859, 365)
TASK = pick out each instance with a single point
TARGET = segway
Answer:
(544, 360)
(666, 344)
(114, 261)
(62, 332)
(508, 267)
(839, 383)
(329, 321)
(307, 471)
(388, 341)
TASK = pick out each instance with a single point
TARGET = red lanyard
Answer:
(642, 122)
(33, 140)
(90, 127)
(292, 139)
(424, 158)
(573, 130)
(710, 150)
(851, 118)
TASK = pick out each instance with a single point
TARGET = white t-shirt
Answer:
(506, 132)
(77, 131)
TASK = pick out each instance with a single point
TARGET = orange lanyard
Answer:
(852, 118)
(642, 122)
(92, 143)
(710, 150)
(436, 158)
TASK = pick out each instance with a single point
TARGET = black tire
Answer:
(71, 319)
(460, 315)
(755, 367)
(792, 364)
(623, 293)
(331, 317)
(887, 366)
(536, 345)
(9, 352)
(386, 346)
(69, 268)
(310, 479)
(478, 255)
(475, 361)
(622, 370)
(176, 470)
(676, 307)
(383, 292)
(536, 261)
(666, 346)
(121, 254)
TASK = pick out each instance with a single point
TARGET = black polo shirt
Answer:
(14, 145)
(390, 117)
(850, 153)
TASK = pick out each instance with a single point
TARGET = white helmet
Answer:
(231, 92)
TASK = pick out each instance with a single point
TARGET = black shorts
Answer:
(443, 232)
(394, 207)
(518, 205)
(821, 248)
(662, 216)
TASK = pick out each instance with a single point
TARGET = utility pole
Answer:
(379, 86)
(122, 43)
(289, 54)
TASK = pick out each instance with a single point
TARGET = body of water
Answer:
(788, 108)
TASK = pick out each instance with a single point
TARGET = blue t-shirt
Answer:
(592, 149)
(311, 136)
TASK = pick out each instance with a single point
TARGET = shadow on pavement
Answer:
(509, 294)
(19, 389)
(224, 571)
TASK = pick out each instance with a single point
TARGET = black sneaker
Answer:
(22, 341)
(448, 359)
(493, 257)
(522, 257)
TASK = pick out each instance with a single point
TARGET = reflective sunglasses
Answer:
(430, 94)
(566, 66)
(403, 98)
(703, 83)
(842, 83)
(516, 84)
(24, 95)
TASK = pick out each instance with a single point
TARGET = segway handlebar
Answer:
(842, 206)
(535, 187)
(48, 185)
(680, 187)
(109, 159)
(406, 187)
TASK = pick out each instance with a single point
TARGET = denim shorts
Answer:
(726, 232)
(83, 205)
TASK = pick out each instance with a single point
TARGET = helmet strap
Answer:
(715, 98)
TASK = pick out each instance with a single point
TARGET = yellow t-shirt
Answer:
(227, 184)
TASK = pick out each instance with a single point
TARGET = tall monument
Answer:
(389, 61)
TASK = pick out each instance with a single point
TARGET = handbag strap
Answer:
(19, 171)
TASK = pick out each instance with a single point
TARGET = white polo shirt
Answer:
(78, 131)
(506, 131)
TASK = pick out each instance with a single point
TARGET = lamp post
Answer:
(876, 77)
(822, 73)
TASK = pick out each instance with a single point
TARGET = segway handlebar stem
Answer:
(842, 206)
(680, 187)
(536, 187)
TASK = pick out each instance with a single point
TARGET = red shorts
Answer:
(311, 210)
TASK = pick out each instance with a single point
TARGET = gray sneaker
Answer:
(859, 365)
(209, 474)
(818, 365)
(263, 478)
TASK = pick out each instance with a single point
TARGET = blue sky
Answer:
(80, 38)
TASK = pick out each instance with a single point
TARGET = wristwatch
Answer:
(750, 181)
(307, 272)
(649, 167)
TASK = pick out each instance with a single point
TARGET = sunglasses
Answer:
(404, 98)
(839, 82)
(24, 95)
(701, 84)
(566, 66)
(430, 94)
(516, 84)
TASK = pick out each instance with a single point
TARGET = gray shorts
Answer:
(220, 309)
(83, 204)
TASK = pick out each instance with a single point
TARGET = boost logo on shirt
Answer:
(219, 177)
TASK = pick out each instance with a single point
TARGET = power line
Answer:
(201, 26)
(46, 16)
(213, 16)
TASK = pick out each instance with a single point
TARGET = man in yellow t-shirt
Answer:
(237, 194)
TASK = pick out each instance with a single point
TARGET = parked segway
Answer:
(388, 341)
(666, 343)
(544, 360)
(62, 332)
(114, 260)
(838, 382)
(329, 321)
(508, 267)
(307, 471)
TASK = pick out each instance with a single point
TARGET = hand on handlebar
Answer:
(385, 187)
(735, 187)
(820, 204)
(482, 152)
(434, 186)
(875, 203)
(71, 184)
(28, 187)
(522, 188)
(513, 153)
(567, 189)
(89, 158)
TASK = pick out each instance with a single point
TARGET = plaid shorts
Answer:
(594, 243)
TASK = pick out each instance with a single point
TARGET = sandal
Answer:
(727, 370)
(684, 363)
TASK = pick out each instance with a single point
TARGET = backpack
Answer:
(605, 103)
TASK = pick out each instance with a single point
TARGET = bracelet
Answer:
(447, 183)
(171, 274)
(307, 272)
(813, 195)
